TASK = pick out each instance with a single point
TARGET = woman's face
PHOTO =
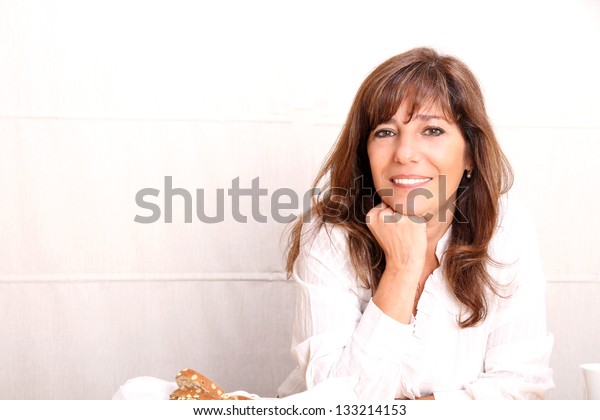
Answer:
(417, 165)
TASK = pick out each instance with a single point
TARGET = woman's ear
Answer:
(468, 162)
(469, 166)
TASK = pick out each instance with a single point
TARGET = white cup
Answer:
(591, 380)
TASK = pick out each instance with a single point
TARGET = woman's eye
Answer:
(383, 133)
(433, 131)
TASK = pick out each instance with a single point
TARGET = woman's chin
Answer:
(413, 211)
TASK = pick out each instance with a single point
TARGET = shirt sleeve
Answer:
(518, 346)
(340, 332)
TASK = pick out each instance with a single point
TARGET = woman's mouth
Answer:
(410, 181)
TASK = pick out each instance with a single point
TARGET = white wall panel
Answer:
(75, 183)
(83, 339)
(573, 320)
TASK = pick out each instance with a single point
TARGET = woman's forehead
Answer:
(410, 108)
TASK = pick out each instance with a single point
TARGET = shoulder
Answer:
(323, 238)
(515, 245)
(516, 227)
(517, 268)
(513, 214)
(324, 256)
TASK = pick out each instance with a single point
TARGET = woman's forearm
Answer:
(395, 294)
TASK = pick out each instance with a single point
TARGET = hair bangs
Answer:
(424, 87)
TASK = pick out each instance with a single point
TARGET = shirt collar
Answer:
(442, 244)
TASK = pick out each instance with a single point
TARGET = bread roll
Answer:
(189, 393)
(234, 397)
(195, 386)
(189, 378)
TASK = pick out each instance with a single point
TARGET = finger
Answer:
(373, 214)
(389, 216)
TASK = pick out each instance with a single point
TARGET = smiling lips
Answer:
(410, 181)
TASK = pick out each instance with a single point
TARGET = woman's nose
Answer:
(406, 149)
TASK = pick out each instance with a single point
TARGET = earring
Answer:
(469, 174)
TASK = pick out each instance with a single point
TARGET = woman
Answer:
(417, 277)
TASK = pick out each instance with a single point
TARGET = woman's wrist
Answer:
(405, 273)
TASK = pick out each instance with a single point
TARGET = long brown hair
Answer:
(420, 76)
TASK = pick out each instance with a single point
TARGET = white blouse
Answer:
(339, 331)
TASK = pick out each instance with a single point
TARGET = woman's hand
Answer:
(404, 242)
(403, 239)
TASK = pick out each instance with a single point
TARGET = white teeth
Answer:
(410, 181)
